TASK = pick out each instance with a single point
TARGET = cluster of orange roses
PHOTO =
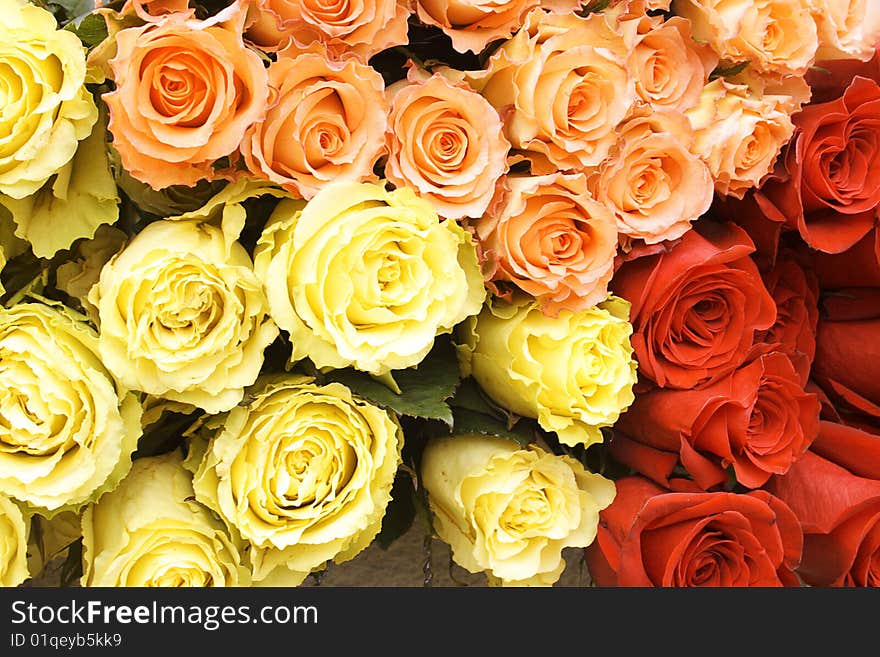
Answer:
(581, 131)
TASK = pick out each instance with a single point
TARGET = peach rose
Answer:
(474, 24)
(447, 143)
(362, 28)
(670, 68)
(739, 130)
(551, 239)
(186, 91)
(562, 85)
(775, 36)
(326, 121)
(848, 29)
(654, 185)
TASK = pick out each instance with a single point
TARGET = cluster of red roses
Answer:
(755, 435)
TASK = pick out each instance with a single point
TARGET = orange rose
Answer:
(186, 91)
(446, 142)
(325, 122)
(654, 185)
(562, 85)
(848, 29)
(473, 24)
(670, 68)
(739, 130)
(552, 240)
(776, 36)
(361, 28)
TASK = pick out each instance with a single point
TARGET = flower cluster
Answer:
(591, 276)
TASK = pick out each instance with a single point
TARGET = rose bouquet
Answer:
(570, 280)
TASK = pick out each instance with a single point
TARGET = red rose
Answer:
(652, 537)
(829, 185)
(847, 363)
(839, 513)
(796, 293)
(856, 267)
(829, 79)
(697, 307)
(758, 420)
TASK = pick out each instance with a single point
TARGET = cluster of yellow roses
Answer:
(626, 133)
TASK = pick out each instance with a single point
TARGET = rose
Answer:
(847, 352)
(67, 428)
(652, 182)
(849, 447)
(670, 68)
(842, 533)
(304, 473)
(847, 29)
(551, 239)
(774, 36)
(828, 186)
(150, 531)
(474, 24)
(795, 292)
(326, 122)
(183, 315)
(14, 527)
(696, 306)
(740, 129)
(363, 28)
(363, 277)
(858, 266)
(46, 108)
(830, 78)
(509, 511)
(574, 373)
(446, 142)
(561, 97)
(186, 91)
(652, 537)
(758, 420)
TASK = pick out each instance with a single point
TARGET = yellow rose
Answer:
(774, 36)
(67, 429)
(509, 511)
(151, 532)
(46, 107)
(739, 130)
(563, 85)
(304, 473)
(183, 316)
(848, 29)
(365, 277)
(574, 373)
(14, 526)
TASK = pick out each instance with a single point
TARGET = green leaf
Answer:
(401, 511)
(424, 390)
(71, 569)
(467, 421)
(594, 6)
(70, 9)
(91, 29)
(728, 70)
(474, 413)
